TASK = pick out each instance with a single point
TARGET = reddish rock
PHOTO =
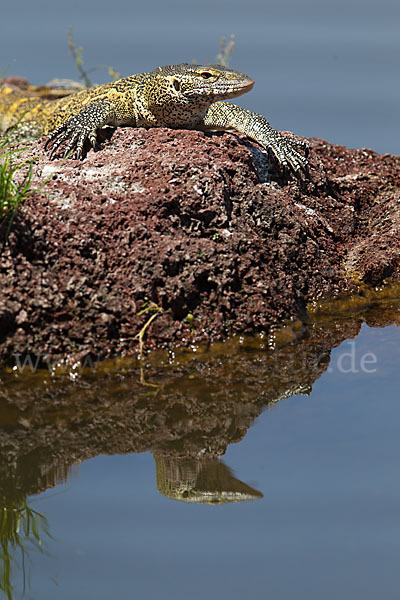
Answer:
(183, 219)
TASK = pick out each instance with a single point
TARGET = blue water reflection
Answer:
(328, 525)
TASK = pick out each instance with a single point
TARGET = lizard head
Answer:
(194, 86)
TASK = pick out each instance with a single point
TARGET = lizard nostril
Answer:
(176, 85)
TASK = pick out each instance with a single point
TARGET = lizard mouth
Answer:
(247, 86)
(237, 89)
(222, 90)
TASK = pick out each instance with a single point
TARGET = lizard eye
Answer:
(206, 75)
(176, 85)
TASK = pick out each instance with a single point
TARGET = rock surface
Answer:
(190, 222)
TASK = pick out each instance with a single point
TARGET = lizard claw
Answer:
(76, 133)
(286, 150)
(80, 128)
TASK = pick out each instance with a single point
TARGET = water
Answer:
(325, 69)
(310, 430)
(83, 453)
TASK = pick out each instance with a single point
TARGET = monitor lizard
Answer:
(183, 96)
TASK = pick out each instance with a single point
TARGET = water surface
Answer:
(293, 446)
(294, 450)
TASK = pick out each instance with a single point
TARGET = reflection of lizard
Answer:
(206, 481)
(178, 96)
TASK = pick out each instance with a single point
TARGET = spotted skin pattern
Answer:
(181, 96)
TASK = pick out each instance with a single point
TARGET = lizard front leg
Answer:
(224, 115)
(79, 128)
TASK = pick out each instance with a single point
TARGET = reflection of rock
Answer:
(206, 481)
(203, 401)
(30, 474)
